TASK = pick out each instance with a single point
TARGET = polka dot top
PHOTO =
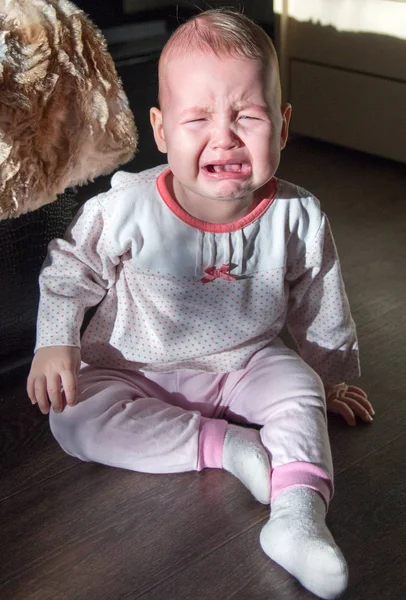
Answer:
(174, 292)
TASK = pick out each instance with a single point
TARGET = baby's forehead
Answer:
(179, 67)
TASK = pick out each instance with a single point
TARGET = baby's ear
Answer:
(286, 114)
(155, 116)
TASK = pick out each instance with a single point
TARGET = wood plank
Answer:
(95, 531)
(29, 453)
(368, 517)
(238, 571)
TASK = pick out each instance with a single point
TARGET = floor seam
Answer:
(23, 490)
(198, 559)
(358, 461)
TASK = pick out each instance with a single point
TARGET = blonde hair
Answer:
(222, 32)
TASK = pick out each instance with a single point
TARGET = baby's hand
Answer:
(349, 401)
(53, 377)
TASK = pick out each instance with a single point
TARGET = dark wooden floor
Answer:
(73, 531)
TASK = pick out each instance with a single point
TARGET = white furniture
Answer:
(344, 65)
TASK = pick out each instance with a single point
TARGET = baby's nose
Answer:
(224, 138)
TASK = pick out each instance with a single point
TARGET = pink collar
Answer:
(253, 215)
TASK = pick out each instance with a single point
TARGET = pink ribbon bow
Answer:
(213, 273)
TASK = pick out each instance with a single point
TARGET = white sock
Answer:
(246, 458)
(297, 538)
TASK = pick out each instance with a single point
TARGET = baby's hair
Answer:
(223, 32)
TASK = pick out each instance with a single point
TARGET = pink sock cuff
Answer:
(211, 441)
(302, 474)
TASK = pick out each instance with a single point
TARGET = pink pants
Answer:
(173, 422)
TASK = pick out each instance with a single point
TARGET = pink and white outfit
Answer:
(185, 336)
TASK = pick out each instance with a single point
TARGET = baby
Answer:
(196, 267)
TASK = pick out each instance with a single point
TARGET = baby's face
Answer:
(221, 125)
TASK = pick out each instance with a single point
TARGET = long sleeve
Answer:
(78, 271)
(319, 317)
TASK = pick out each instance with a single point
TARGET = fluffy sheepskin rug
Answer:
(64, 118)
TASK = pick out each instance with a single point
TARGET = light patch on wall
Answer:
(386, 17)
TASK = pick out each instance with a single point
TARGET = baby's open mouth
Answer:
(230, 168)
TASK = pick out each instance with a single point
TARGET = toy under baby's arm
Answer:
(320, 322)
(64, 116)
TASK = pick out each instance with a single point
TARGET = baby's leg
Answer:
(280, 392)
(125, 420)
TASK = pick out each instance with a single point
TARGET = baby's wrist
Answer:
(336, 390)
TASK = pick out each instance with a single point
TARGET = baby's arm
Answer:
(320, 321)
(76, 275)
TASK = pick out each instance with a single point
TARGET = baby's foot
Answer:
(246, 458)
(297, 538)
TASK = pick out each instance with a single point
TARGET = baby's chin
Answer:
(225, 190)
(235, 190)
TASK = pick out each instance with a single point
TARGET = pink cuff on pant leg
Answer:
(211, 441)
(302, 474)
